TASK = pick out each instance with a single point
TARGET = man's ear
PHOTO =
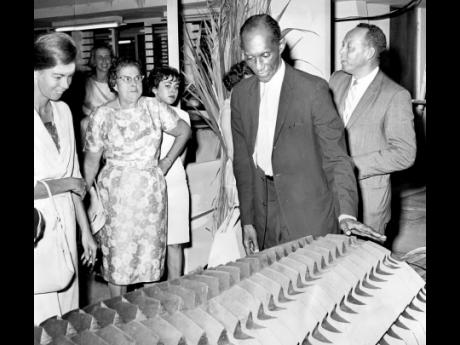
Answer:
(154, 91)
(370, 53)
(282, 45)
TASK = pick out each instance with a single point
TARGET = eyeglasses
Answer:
(128, 79)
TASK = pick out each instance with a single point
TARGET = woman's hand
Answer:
(89, 249)
(182, 132)
(91, 166)
(61, 185)
(165, 164)
(87, 240)
(78, 186)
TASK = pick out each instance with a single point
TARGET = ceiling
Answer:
(394, 3)
(47, 11)
(53, 3)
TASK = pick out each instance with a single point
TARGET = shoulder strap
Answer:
(50, 196)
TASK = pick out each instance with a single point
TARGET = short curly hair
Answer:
(236, 73)
(117, 65)
(375, 38)
(158, 74)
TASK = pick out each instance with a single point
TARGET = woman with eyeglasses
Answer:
(128, 132)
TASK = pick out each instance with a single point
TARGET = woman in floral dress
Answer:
(127, 132)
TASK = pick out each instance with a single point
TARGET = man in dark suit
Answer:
(379, 121)
(293, 174)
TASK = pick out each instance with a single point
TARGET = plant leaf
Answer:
(296, 42)
(309, 63)
(278, 17)
(284, 32)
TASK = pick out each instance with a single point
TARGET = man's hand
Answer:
(250, 239)
(350, 226)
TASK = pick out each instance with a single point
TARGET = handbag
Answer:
(227, 244)
(96, 213)
(53, 266)
(39, 225)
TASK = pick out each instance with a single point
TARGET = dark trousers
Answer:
(273, 230)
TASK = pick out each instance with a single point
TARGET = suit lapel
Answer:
(253, 109)
(342, 92)
(368, 97)
(284, 102)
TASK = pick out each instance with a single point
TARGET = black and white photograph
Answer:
(230, 172)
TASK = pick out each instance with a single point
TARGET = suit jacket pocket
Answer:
(297, 124)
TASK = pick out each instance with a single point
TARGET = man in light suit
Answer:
(293, 174)
(378, 117)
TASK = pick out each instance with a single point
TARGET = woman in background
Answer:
(97, 87)
(164, 83)
(127, 132)
(55, 161)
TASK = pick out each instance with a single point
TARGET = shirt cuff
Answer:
(345, 216)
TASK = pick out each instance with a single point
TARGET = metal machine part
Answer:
(329, 290)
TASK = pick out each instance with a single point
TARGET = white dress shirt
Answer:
(268, 113)
(359, 89)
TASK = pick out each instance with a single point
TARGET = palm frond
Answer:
(295, 43)
(217, 49)
(284, 32)
(309, 63)
(278, 17)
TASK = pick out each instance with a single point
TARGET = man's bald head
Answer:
(258, 21)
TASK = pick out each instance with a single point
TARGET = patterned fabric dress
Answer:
(132, 189)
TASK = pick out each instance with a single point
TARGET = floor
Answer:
(412, 221)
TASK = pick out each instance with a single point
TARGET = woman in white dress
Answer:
(97, 88)
(164, 83)
(55, 161)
